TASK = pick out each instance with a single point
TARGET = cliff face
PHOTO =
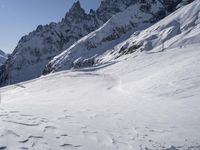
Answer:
(36, 49)
(3, 57)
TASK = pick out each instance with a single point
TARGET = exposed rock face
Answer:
(36, 49)
(110, 7)
(3, 57)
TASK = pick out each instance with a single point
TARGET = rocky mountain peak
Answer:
(75, 12)
(76, 5)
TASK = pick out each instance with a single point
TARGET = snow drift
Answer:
(148, 101)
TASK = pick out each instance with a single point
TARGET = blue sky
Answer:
(19, 17)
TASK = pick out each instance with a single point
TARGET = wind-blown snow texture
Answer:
(35, 50)
(148, 100)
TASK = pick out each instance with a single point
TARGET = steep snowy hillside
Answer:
(113, 39)
(35, 50)
(180, 29)
(3, 57)
(146, 102)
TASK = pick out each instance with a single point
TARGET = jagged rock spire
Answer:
(76, 11)
(76, 6)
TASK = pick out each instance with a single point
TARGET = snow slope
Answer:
(143, 102)
(179, 29)
(148, 100)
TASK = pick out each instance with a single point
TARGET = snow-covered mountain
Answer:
(179, 29)
(3, 57)
(146, 102)
(35, 50)
(124, 34)
(142, 103)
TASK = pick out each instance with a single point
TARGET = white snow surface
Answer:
(146, 101)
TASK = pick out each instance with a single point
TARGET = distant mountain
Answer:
(123, 34)
(3, 57)
(36, 49)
